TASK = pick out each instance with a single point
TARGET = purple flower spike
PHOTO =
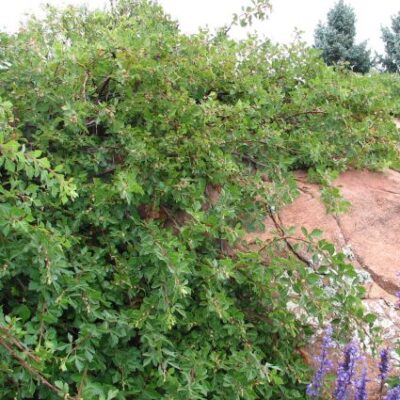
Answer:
(384, 365)
(398, 299)
(361, 386)
(393, 394)
(383, 368)
(346, 371)
(315, 387)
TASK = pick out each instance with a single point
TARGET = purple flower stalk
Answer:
(393, 394)
(361, 386)
(346, 371)
(398, 299)
(315, 387)
(384, 364)
(383, 367)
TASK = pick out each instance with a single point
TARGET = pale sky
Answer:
(286, 15)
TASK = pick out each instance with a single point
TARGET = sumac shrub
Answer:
(133, 159)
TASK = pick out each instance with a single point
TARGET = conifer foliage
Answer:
(336, 39)
(391, 38)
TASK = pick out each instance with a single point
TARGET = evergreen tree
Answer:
(336, 39)
(391, 38)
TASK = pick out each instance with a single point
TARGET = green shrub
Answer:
(132, 162)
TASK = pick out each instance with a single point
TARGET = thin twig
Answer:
(269, 242)
(251, 159)
(278, 225)
(84, 94)
(79, 394)
(41, 327)
(171, 217)
(309, 112)
(19, 344)
(105, 172)
(28, 367)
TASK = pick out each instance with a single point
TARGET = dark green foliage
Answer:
(336, 40)
(133, 159)
(391, 38)
(390, 83)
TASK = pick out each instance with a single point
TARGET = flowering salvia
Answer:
(324, 366)
(346, 384)
(384, 365)
(348, 387)
(393, 394)
(346, 370)
(383, 368)
(361, 386)
(398, 293)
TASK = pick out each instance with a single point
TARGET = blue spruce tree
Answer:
(391, 38)
(336, 39)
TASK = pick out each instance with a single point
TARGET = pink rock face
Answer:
(371, 228)
(369, 232)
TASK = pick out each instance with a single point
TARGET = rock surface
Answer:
(369, 234)
(370, 230)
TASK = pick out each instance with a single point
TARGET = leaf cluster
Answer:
(133, 160)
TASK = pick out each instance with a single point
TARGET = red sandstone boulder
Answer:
(369, 233)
